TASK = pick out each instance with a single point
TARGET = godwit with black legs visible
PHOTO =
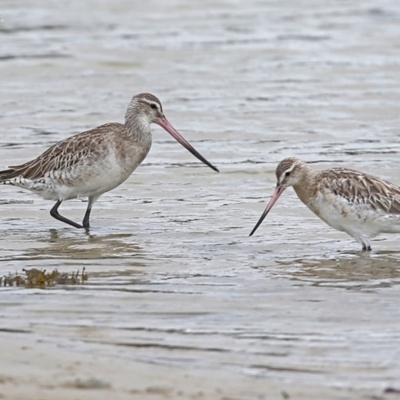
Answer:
(359, 204)
(96, 161)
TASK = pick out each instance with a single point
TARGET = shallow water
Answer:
(173, 276)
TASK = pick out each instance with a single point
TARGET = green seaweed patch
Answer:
(36, 278)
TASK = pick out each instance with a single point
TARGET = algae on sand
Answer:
(35, 278)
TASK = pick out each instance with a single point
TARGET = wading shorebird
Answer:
(359, 204)
(96, 161)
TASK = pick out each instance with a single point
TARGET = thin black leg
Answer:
(86, 223)
(54, 213)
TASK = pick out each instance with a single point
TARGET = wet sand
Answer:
(38, 371)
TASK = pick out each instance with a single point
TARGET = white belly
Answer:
(357, 220)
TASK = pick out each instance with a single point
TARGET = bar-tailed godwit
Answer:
(96, 161)
(359, 204)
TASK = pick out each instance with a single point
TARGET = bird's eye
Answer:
(287, 173)
(153, 106)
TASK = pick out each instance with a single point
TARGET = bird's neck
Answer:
(138, 126)
(306, 187)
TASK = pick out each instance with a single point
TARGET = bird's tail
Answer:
(6, 175)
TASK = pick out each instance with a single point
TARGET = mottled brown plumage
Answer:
(66, 154)
(359, 188)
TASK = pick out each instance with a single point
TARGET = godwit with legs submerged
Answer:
(359, 204)
(96, 161)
